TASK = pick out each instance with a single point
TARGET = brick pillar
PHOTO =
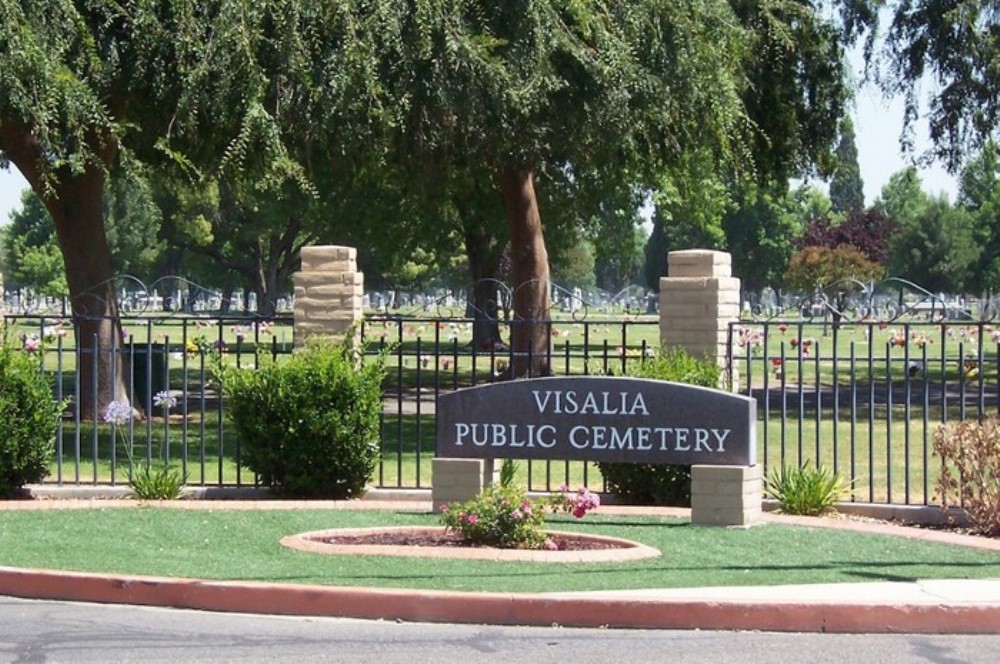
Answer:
(726, 495)
(699, 297)
(328, 292)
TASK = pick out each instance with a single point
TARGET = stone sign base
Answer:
(459, 480)
(726, 495)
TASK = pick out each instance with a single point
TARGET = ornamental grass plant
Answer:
(807, 490)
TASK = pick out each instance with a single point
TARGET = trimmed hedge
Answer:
(29, 417)
(660, 484)
(309, 427)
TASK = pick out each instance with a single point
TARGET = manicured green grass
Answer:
(221, 544)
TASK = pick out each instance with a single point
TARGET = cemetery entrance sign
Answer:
(592, 418)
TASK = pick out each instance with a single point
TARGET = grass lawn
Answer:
(221, 544)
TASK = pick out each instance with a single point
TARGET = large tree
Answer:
(847, 191)
(512, 90)
(262, 92)
(936, 249)
(90, 87)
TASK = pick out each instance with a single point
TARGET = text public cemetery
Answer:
(591, 436)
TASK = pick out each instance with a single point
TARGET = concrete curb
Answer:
(503, 608)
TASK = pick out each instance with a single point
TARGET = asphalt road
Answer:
(40, 631)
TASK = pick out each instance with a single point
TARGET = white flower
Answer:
(164, 400)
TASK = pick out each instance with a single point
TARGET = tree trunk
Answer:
(484, 262)
(530, 326)
(75, 208)
(82, 239)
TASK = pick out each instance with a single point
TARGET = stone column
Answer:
(699, 297)
(328, 292)
(726, 495)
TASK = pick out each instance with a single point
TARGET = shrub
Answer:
(970, 471)
(28, 419)
(807, 490)
(310, 426)
(503, 516)
(660, 484)
(159, 483)
(500, 516)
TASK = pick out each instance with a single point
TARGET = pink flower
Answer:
(579, 511)
(471, 519)
(550, 545)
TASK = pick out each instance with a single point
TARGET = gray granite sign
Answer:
(598, 419)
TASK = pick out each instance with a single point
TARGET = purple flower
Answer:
(118, 412)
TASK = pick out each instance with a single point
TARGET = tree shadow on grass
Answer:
(534, 569)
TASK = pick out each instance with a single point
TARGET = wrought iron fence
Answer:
(172, 355)
(859, 388)
(865, 397)
(158, 356)
(428, 356)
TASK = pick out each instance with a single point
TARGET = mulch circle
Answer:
(562, 542)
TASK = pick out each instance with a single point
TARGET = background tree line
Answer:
(423, 131)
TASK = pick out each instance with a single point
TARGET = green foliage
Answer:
(847, 191)
(970, 471)
(660, 484)
(31, 253)
(310, 426)
(761, 229)
(29, 416)
(955, 45)
(937, 248)
(979, 196)
(807, 490)
(815, 268)
(678, 366)
(500, 516)
(161, 483)
(508, 470)
(574, 267)
(903, 198)
(648, 483)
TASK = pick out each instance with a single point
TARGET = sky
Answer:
(877, 126)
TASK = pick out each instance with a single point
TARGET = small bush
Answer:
(29, 416)
(502, 516)
(807, 490)
(310, 426)
(970, 471)
(660, 484)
